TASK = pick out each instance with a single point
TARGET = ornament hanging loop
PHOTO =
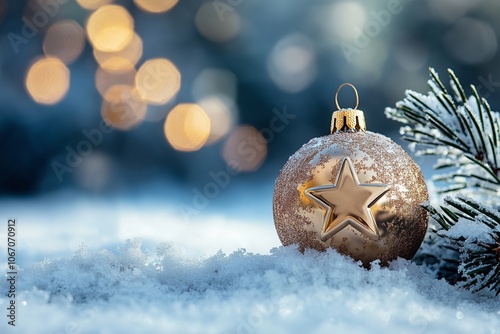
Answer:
(355, 94)
(347, 120)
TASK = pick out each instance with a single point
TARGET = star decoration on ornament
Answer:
(348, 202)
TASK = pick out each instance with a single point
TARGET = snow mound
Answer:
(132, 290)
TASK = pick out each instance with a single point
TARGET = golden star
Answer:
(348, 202)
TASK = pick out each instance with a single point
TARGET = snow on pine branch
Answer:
(473, 230)
(463, 132)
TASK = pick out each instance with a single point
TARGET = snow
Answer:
(170, 277)
(472, 231)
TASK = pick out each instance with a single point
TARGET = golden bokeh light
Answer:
(158, 81)
(123, 108)
(123, 60)
(187, 127)
(220, 116)
(47, 80)
(245, 149)
(217, 26)
(92, 4)
(110, 28)
(104, 80)
(64, 40)
(155, 6)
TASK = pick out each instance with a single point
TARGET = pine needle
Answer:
(464, 133)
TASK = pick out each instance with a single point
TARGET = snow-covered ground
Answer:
(80, 274)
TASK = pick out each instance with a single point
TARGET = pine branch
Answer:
(472, 230)
(464, 134)
(453, 127)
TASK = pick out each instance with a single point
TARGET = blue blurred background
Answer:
(106, 96)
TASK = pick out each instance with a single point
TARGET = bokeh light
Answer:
(93, 4)
(218, 110)
(245, 149)
(217, 26)
(158, 81)
(223, 57)
(471, 41)
(123, 108)
(451, 10)
(47, 80)
(342, 20)
(104, 80)
(187, 127)
(64, 40)
(110, 28)
(292, 64)
(155, 6)
(123, 60)
(411, 55)
(214, 81)
(368, 65)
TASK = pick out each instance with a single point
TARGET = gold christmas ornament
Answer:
(354, 190)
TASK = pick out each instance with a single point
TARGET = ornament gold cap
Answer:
(347, 120)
